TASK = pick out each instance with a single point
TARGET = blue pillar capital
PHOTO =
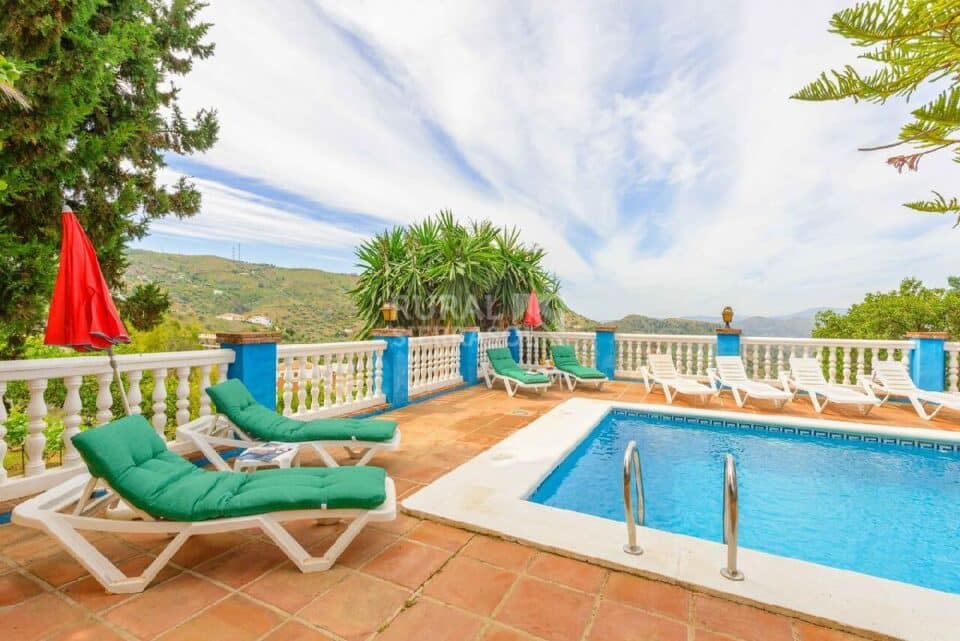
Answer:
(513, 343)
(255, 363)
(928, 361)
(395, 384)
(469, 355)
(728, 341)
(606, 350)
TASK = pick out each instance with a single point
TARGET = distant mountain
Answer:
(795, 325)
(637, 324)
(312, 305)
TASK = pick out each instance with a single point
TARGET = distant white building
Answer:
(260, 320)
(230, 316)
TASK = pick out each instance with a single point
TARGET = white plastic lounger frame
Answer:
(731, 374)
(45, 512)
(490, 376)
(661, 371)
(890, 378)
(208, 432)
(807, 376)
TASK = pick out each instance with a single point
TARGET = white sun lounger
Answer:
(806, 375)
(661, 371)
(890, 378)
(66, 510)
(731, 374)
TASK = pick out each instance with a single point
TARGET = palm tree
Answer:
(9, 73)
(443, 274)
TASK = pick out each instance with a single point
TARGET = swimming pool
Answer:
(889, 507)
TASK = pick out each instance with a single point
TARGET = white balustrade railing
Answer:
(953, 366)
(535, 346)
(51, 393)
(433, 363)
(329, 379)
(489, 340)
(844, 361)
(693, 355)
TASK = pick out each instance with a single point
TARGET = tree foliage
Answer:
(891, 315)
(104, 112)
(910, 42)
(145, 306)
(444, 274)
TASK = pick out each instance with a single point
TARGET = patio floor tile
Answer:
(243, 564)
(89, 593)
(200, 549)
(294, 631)
(500, 633)
(407, 563)
(574, 574)
(86, 631)
(471, 585)
(355, 607)
(161, 607)
(616, 622)
(400, 525)
(655, 596)
(547, 610)
(38, 617)
(439, 535)
(289, 589)
(809, 632)
(234, 619)
(742, 621)
(504, 554)
(368, 544)
(15, 588)
(429, 621)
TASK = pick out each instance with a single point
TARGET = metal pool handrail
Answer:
(633, 518)
(730, 518)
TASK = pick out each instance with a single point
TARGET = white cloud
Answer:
(665, 129)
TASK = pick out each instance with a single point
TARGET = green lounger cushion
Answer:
(503, 364)
(135, 461)
(235, 401)
(565, 359)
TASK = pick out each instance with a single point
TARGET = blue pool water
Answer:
(887, 509)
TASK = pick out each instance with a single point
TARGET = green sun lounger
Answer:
(243, 422)
(503, 367)
(170, 495)
(565, 360)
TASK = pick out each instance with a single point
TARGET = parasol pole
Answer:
(116, 376)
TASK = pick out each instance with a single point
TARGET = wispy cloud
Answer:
(650, 147)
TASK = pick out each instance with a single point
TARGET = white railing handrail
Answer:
(668, 338)
(436, 340)
(829, 342)
(92, 365)
(311, 349)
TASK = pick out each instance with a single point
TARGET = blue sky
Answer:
(650, 147)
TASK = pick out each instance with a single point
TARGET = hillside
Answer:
(637, 324)
(309, 305)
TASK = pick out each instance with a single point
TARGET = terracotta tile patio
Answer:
(408, 579)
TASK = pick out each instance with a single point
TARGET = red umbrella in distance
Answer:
(82, 313)
(532, 316)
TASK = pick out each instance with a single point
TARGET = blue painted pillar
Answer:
(513, 343)
(606, 350)
(728, 341)
(255, 363)
(395, 384)
(928, 360)
(469, 355)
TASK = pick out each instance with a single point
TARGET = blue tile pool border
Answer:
(791, 430)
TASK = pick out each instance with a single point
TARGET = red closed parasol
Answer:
(532, 316)
(82, 313)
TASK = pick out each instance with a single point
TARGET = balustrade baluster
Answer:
(135, 394)
(159, 420)
(183, 395)
(104, 398)
(378, 373)
(953, 371)
(3, 432)
(832, 364)
(301, 385)
(288, 386)
(72, 406)
(861, 362)
(204, 384)
(36, 441)
(329, 394)
(315, 378)
(846, 365)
